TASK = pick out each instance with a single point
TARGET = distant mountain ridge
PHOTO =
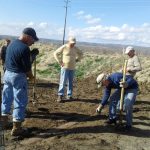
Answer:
(94, 47)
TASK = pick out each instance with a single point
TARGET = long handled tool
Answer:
(2, 140)
(34, 84)
(0, 95)
(122, 91)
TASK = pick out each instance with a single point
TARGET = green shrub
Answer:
(54, 66)
(44, 73)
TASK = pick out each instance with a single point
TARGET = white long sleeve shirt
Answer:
(68, 56)
(133, 65)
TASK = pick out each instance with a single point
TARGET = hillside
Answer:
(74, 125)
(95, 47)
(93, 63)
(96, 60)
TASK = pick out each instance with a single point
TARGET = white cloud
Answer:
(93, 21)
(121, 36)
(43, 25)
(43, 29)
(124, 34)
(114, 29)
(30, 24)
(146, 24)
(88, 18)
(79, 13)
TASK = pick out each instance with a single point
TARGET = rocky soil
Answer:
(74, 125)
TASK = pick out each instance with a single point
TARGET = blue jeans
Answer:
(14, 91)
(129, 99)
(66, 76)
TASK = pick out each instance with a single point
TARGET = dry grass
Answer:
(91, 64)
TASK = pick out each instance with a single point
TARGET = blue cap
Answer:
(31, 32)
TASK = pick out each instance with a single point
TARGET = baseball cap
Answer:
(31, 32)
(72, 40)
(100, 78)
(128, 49)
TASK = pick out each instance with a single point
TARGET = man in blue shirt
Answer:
(114, 81)
(18, 68)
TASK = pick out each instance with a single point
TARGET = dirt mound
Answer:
(74, 125)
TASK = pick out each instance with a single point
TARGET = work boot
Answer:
(112, 121)
(17, 130)
(128, 128)
(69, 97)
(59, 99)
(5, 122)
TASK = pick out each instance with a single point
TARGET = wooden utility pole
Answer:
(66, 8)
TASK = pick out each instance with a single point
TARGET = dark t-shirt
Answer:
(18, 57)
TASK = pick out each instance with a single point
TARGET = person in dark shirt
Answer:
(114, 81)
(3, 53)
(18, 68)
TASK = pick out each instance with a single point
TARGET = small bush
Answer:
(44, 73)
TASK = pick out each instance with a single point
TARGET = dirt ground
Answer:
(74, 125)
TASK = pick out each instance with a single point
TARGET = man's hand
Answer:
(61, 64)
(99, 108)
(77, 60)
(123, 84)
(32, 79)
(30, 76)
(130, 70)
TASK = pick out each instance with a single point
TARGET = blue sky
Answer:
(101, 21)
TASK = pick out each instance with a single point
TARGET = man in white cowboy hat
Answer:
(69, 56)
(113, 81)
(133, 64)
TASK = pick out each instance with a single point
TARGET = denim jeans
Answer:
(14, 91)
(66, 76)
(129, 99)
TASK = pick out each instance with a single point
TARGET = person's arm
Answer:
(104, 101)
(57, 53)
(30, 75)
(79, 54)
(137, 66)
(106, 96)
(26, 63)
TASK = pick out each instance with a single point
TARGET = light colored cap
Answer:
(128, 49)
(72, 40)
(100, 78)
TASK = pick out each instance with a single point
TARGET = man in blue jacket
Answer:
(18, 68)
(114, 81)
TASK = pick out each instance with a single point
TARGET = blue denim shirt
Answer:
(114, 79)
